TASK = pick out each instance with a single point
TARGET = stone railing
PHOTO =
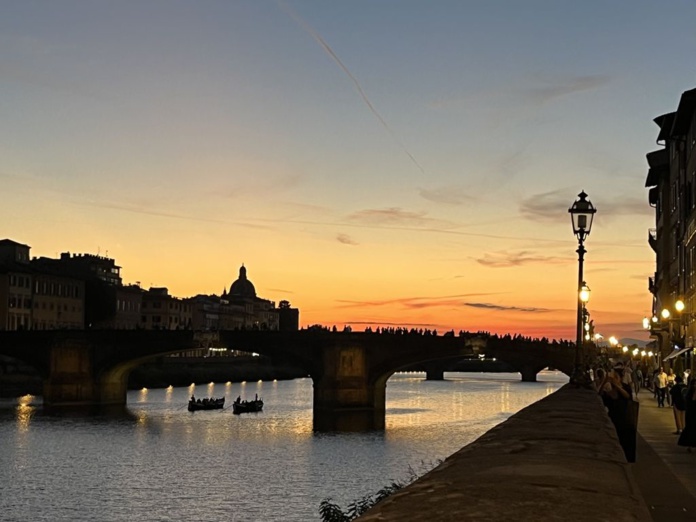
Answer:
(558, 459)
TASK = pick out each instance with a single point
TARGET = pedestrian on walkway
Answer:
(688, 434)
(670, 382)
(678, 395)
(617, 396)
(637, 379)
(661, 387)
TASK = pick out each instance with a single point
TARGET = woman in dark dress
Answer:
(688, 434)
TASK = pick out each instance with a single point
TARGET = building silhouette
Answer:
(77, 291)
(671, 181)
(37, 297)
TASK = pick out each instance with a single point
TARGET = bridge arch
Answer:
(89, 369)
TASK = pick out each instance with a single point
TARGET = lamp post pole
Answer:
(581, 305)
(581, 214)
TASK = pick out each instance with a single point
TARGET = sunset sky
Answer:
(392, 162)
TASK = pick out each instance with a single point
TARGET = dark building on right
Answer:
(671, 182)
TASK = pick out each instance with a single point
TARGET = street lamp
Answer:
(581, 214)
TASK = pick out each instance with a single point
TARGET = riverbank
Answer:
(558, 459)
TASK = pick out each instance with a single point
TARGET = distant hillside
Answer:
(627, 341)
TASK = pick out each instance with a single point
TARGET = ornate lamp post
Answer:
(581, 213)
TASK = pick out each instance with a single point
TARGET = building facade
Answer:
(671, 182)
(107, 302)
(37, 297)
(161, 311)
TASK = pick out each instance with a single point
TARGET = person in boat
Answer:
(193, 399)
(239, 399)
(256, 397)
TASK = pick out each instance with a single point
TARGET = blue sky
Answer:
(346, 152)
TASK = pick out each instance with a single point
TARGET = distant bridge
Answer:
(88, 370)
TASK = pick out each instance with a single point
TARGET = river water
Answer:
(165, 463)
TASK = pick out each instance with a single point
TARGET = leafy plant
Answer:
(332, 512)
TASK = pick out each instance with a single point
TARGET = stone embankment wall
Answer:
(558, 459)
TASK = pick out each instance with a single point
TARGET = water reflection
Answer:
(117, 466)
(24, 412)
(505, 398)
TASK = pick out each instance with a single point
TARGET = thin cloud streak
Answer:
(450, 195)
(566, 86)
(414, 302)
(502, 308)
(136, 210)
(345, 239)
(547, 207)
(317, 37)
(252, 223)
(506, 260)
(396, 215)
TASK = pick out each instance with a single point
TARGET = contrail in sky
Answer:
(310, 30)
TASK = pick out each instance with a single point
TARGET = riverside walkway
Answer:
(557, 460)
(665, 472)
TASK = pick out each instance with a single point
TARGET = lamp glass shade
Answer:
(581, 214)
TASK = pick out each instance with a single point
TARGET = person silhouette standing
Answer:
(661, 387)
(678, 395)
(688, 434)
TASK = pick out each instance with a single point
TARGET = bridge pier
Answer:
(434, 374)
(73, 387)
(529, 373)
(344, 397)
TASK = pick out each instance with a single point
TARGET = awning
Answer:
(676, 353)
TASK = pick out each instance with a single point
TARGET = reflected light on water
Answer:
(505, 398)
(24, 412)
(168, 393)
(139, 466)
(142, 396)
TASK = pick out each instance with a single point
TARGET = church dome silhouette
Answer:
(242, 287)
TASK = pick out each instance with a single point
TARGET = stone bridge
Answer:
(88, 370)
